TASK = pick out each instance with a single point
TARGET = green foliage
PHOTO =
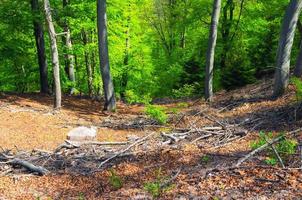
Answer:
(81, 196)
(166, 52)
(153, 188)
(156, 188)
(284, 147)
(205, 159)
(298, 84)
(185, 91)
(115, 181)
(157, 113)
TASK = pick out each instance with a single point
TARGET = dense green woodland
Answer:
(157, 48)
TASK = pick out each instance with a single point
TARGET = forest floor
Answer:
(203, 166)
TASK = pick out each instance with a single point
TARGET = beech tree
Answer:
(211, 50)
(110, 103)
(69, 57)
(54, 55)
(40, 44)
(285, 46)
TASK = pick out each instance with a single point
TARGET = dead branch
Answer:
(169, 136)
(277, 154)
(98, 143)
(126, 149)
(273, 141)
(66, 145)
(29, 166)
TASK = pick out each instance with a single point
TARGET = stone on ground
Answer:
(82, 134)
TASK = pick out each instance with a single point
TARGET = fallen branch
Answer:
(169, 136)
(96, 143)
(126, 149)
(31, 167)
(273, 141)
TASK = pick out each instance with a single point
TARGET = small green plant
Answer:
(156, 188)
(186, 91)
(153, 188)
(81, 196)
(132, 97)
(298, 84)
(205, 159)
(115, 181)
(271, 161)
(284, 147)
(156, 113)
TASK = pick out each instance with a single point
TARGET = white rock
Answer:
(82, 134)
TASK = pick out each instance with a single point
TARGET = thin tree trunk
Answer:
(298, 66)
(88, 64)
(69, 57)
(285, 46)
(54, 55)
(40, 44)
(124, 78)
(211, 50)
(110, 103)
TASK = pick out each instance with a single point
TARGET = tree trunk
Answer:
(227, 23)
(285, 46)
(54, 55)
(124, 77)
(211, 50)
(110, 103)
(88, 64)
(69, 57)
(298, 66)
(40, 43)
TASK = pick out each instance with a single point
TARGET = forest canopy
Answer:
(156, 48)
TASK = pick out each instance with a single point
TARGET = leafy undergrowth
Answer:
(28, 122)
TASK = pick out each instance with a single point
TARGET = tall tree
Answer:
(211, 50)
(110, 103)
(285, 46)
(227, 24)
(40, 44)
(69, 61)
(298, 66)
(88, 64)
(54, 55)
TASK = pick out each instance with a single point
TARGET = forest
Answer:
(150, 99)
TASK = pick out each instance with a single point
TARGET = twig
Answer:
(200, 138)
(277, 154)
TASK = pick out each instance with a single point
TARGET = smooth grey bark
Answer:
(285, 46)
(54, 55)
(211, 50)
(69, 56)
(110, 103)
(40, 44)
